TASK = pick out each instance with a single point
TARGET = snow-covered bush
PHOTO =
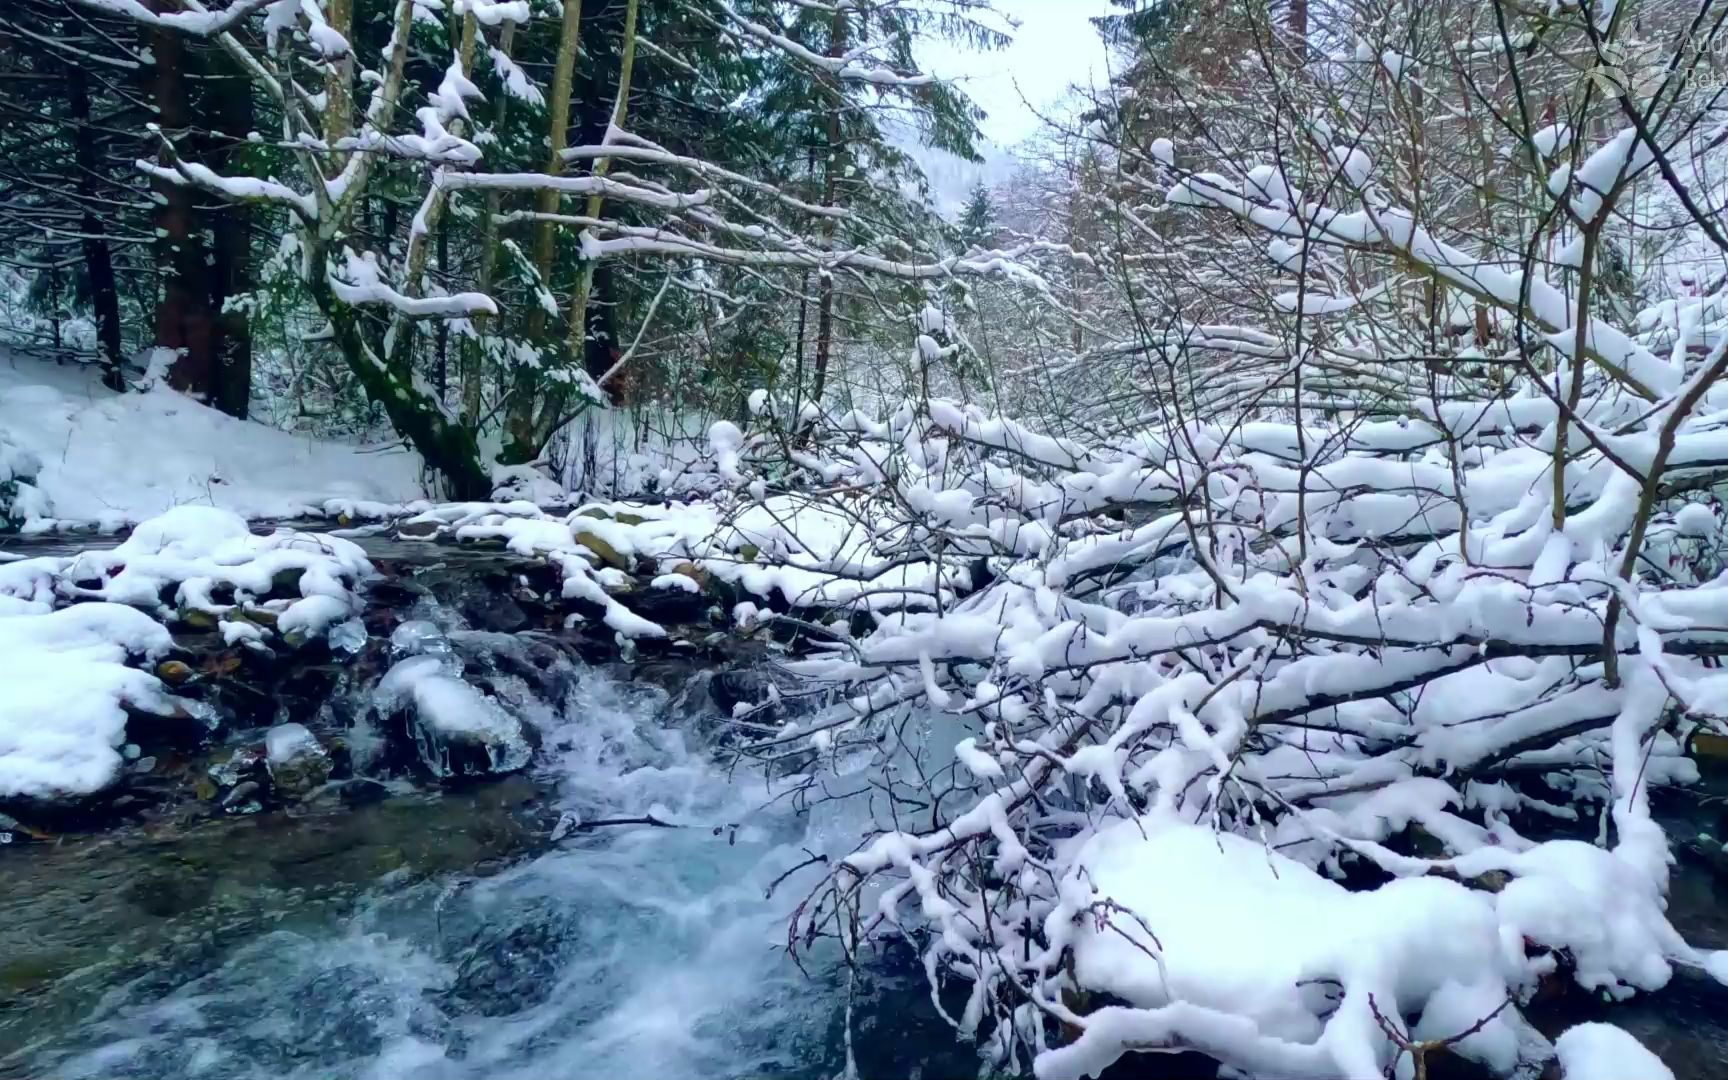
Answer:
(1402, 563)
(1362, 591)
(1331, 652)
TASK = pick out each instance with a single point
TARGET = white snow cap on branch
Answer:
(359, 281)
(494, 12)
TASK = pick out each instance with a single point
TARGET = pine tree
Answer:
(978, 219)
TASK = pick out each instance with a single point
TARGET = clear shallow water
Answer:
(625, 951)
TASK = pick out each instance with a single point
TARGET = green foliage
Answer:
(978, 221)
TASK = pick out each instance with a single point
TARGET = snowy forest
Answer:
(636, 538)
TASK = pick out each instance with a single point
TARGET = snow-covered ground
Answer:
(112, 460)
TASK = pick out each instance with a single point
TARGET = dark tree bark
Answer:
(830, 196)
(184, 320)
(98, 255)
(227, 102)
(441, 376)
(600, 345)
(1296, 22)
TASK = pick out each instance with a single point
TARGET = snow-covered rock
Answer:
(203, 564)
(525, 483)
(21, 501)
(458, 729)
(66, 682)
(1606, 1052)
(80, 636)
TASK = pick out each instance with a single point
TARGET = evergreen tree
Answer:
(978, 220)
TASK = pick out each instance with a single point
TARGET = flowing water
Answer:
(435, 936)
(620, 951)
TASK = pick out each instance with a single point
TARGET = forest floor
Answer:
(111, 460)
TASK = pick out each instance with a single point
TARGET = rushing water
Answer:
(444, 936)
(620, 951)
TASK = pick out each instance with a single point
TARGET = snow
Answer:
(65, 683)
(1553, 140)
(1696, 519)
(1314, 303)
(1189, 925)
(112, 460)
(1059, 689)
(1177, 674)
(190, 551)
(676, 583)
(361, 281)
(1620, 157)
(313, 616)
(1605, 1052)
(800, 550)
(76, 633)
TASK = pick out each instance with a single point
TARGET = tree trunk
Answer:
(184, 321)
(557, 137)
(830, 197)
(98, 256)
(441, 372)
(228, 104)
(1296, 23)
(798, 347)
(521, 443)
(446, 445)
(338, 80)
(596, 344)
(474, 366)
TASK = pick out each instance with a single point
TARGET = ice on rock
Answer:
(348, 636)
(296, 760)
(419, 637)
(453, 719)
(285, 742)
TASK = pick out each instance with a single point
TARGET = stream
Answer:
(445, 934)
(431, 934)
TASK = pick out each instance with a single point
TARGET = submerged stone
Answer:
(516, 968)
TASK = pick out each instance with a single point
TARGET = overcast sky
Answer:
(1054, 47)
